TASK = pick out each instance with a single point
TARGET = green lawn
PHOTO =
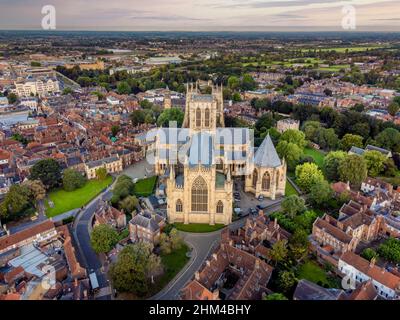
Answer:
(65, 201)
(290, 190)
(318, 156)
(314, 273)
(145, 187)
(334, 68)
(173, 263)
(198, 228)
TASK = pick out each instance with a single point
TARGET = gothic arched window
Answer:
(179, 206)
(220, 207)
(199, 195)
(255, 178)
(277, 179)
(220, 164)
(198, 118)
(207, 118)
(266, 181)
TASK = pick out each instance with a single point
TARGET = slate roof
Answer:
(145, 222)
(307, 290)
(266, 155)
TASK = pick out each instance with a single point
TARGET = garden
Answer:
(64, 201)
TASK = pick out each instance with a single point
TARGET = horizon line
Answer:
(207, 31)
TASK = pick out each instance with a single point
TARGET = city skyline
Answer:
(207, 15)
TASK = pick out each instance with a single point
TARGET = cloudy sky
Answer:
(198, 15)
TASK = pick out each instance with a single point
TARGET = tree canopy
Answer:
(48, 171)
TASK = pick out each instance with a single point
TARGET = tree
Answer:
(351, 140)
(307, 175)
(170, 242)
(48, 171)
(73, 180)
(233, 82)
(15, 202)
(369, 254)
(305, 220)
(115, 130)
(266, 121)
(291, 152)
(248, 83)
(393, 108)
(165, 245)
(375, 162)
(124, 88)
(293, 205)
(389, 139)
(122, 188)
(279, 251)
(286, 281)
(175, 239)
(129, 204)
(294, 136)
(331, 164)
(275, 296)
(37, 189)
(390, 250)
(137, 117)
(134, 269)
(12, 98)
(168, 115)
(298, 244)
(353, 169)
(326, 138)
(101, 173)
(320, 193)
(103, 238)
(310, 128)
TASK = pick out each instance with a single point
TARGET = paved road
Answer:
(81, 233)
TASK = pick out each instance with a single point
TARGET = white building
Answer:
(30, 102)
(360, 270)
(112, 101)
(39, 86)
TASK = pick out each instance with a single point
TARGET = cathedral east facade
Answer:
(200, 161)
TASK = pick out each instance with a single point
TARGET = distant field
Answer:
(317, 155)
(335, 68)
(343, 49)
(65, 201)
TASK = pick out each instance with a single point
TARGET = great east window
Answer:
(199, 196)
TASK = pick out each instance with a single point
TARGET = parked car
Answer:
(260, 198)
(253, 211)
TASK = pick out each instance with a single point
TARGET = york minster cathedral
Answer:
(201, 160)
